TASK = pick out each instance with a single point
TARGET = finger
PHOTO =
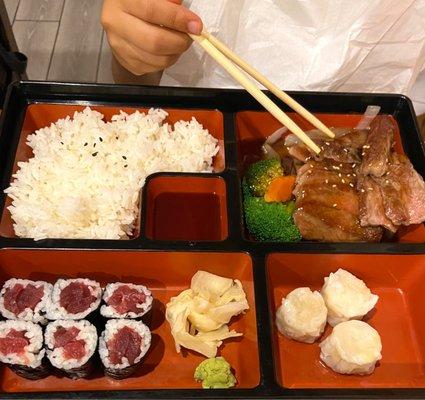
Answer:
(134, 53)
(133, 67)
(135, 56)
(125, 53)
(165, 13)
(152, 39)
(161, 62)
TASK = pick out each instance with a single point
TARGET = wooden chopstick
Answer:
(269, 85)
(227, 64)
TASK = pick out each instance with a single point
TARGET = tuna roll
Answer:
(25, 300)
(21, 349)
(74, 299)
(122, 345)
(126, 300)
(70, 346)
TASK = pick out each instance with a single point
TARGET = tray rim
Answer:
(258, 251)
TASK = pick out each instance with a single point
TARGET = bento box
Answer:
(191, 221)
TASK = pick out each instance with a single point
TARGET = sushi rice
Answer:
(36, 315)
(56, 311)
(34, 352)
(55, 355)
(123, 369)
(110, 312)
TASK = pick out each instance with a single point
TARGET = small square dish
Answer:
(198, 204)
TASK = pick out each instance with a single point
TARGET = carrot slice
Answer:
(280, 189)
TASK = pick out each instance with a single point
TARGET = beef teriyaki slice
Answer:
(378, 145)
(318, 222)
(371, 204)
(403, 192)
(344, 149)
(327, 204)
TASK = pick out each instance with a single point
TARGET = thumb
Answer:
(180, 2)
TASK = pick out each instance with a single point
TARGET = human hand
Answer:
(148, 35)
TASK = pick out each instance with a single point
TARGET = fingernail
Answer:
(194, 27)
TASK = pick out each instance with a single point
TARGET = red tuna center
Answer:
(14, 342)
(66, 338)
(76, 298)
(125, 343)
(20, 297)
(126, 299)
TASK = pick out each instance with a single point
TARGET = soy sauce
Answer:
(187, 216)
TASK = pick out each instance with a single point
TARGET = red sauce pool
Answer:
(187, 216)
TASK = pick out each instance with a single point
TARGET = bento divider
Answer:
(229, 103)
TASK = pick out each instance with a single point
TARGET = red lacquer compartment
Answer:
(166, 274)
(186, 208)
(398, 280)
(41, 115)
(253, 128)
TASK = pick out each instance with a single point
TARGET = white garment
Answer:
(324, 45)
(417, 94)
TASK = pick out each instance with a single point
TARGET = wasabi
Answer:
(215, 373)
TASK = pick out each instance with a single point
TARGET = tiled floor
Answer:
(63, 39)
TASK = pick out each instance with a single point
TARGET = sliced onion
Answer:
(276, 135)
(269, 152)
(369, 115)
(315, 134)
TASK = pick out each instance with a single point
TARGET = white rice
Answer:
(34, 353)
(111, 328)
(71, 189)
(87, 333)
(36, 315)
(55, 311)
(110, 312)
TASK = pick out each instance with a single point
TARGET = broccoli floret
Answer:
(260, 174)
(272, 222)
(245, 189)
